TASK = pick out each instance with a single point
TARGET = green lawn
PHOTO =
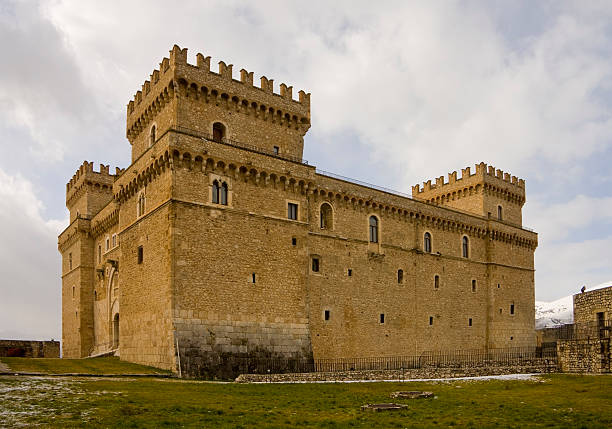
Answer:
(105, 365)
(546, 401)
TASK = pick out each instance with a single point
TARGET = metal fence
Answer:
(453, 359)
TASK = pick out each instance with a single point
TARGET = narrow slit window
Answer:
(294, 241)
(140, 254)
(430, 320)
(326, 316)
(499, 213)
(511, 308)
(473, 285)
(436, 282)
(350, 272)
(223, 191)
(400, 276)
(152, 136)
(99, 253)
(253, 278)
(215, 192)
(69, 261)
(382, 318)
(470, 321)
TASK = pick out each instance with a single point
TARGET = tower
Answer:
(86, 194)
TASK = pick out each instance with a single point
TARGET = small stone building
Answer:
(220, 240)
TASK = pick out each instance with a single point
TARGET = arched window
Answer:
(215, 192)
(373, 229)
(219, 192)
(326, 216)
(465, 247)
(223, 198)
(152, 136)
(427, 242)
(140, 208)
(499, 213)
(400, 276)
(218, 131)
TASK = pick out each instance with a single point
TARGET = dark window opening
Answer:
(152, 136)
(436, 282)
(292, 210)
(350, 272)
(73, 291)
(69, 261)
(326, 314)
(511, 338)
(473, 285)
(218, 131)
(373, 229)
(99, 253)
(511, 308)
(140, 254)
(470, 321)
(430, 320)
(95, 295)
(219, 192)
(253, 278)
(498, 285)
(315, 265)
(382, 318)
(294, 241)
(400, 276)
(326, 216)
(276, 149)
(499, 212)
(465, 247)
(427, 242)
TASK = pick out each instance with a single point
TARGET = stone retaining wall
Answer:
(541, 367)
(24, 348)
(589, 355)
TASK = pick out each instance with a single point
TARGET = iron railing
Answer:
(454, 359)
(578, 331)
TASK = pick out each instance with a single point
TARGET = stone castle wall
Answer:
(26, 348)
(588, 304)
(237, 279)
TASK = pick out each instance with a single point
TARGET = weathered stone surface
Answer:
(219, 279)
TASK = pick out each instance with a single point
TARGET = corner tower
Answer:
(489, 192)
(214, 105)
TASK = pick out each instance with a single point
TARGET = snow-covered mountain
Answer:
(559, 312)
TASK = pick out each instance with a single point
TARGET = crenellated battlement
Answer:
(86, 175)
(176, 76)
(483, 172)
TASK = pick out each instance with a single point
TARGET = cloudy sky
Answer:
(401, 92)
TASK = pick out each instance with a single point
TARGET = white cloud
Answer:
(30, 287)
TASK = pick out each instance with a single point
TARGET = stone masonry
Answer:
(220, 240)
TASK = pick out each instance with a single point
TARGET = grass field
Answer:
(105, 365)
(544, 401)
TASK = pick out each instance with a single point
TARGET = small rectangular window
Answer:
(470, 321)
(473, 285)
(350, 272)
(382, 318)
(276, 149)
(436, 282)
(292, 210)
(315, 265)
(140, 254)
(326, 314)
(69, 261)
(430, 320)
(498, 285)
(99, 253)
(253, 278)
(400, 276)
(107, 243)
(294, 241)
(511, 308)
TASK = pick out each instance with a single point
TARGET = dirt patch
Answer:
(4, 368)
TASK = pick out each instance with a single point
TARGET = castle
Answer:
(220, 240)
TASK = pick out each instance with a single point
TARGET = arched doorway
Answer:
(116, 331)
